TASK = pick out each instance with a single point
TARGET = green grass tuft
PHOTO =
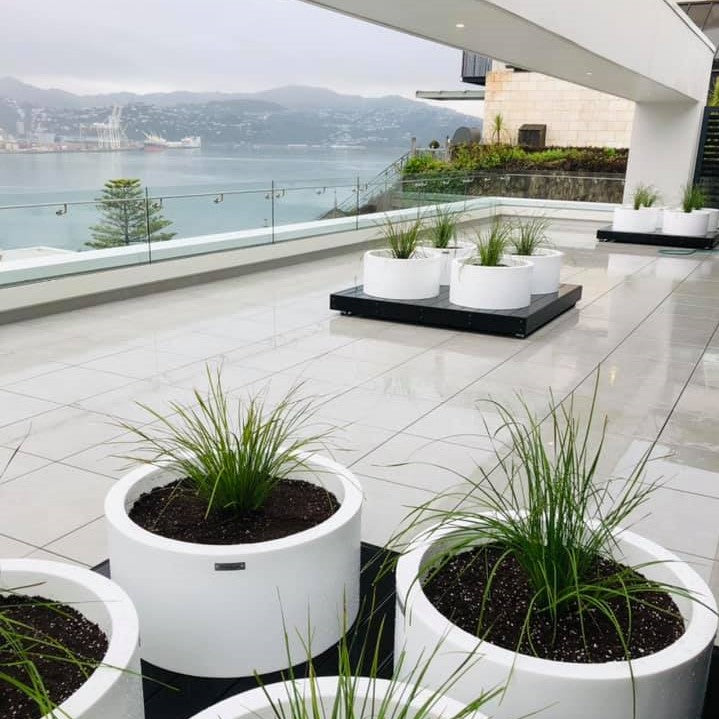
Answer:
(402, 238)
(491, 244)
(529, 235)
(443, 231)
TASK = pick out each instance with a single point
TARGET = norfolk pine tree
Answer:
(124, 220)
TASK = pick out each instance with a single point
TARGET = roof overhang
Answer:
(452, 95)
(643, 50)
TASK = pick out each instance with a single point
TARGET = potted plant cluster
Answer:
(529, 241)
(443, 238)
(404, 270)
(233, 526)
(69, 644)
(571, 613)
(642, 215)
(489, 278)
(690, 220)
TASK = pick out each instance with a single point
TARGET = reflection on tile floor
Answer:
(401, 395)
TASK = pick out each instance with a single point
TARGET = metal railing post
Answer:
(272, 199)
(147, 226)
(357, 204)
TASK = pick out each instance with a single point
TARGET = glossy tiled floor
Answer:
(399, 393)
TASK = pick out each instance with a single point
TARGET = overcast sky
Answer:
(90, 46)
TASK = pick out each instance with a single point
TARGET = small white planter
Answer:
(254, 704)
(449, 254)
(491, 288)
(669, 684)
(217, 610)
(392, 279)
(653, 217)
(686, 224)
(713, 219)
(114, 689)
(546, 267)
(627, 219)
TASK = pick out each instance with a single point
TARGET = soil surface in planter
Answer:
(55, 623)
(457, 591)
(176, 512)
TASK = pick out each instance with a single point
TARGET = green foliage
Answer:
(644, 196)
(499, 130)
(443, 230)
(714, 97)
(359, 695)
(402, 238)
(512, 158)
(491, 243)
(545, 505)
(529, 235)
(693, 197)
(232, 465)
(126, 215)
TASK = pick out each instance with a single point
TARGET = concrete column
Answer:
(665, 138)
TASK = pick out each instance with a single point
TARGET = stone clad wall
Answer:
(574, 115)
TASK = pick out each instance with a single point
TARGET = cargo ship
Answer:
(155, 143)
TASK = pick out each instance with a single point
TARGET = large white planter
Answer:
(627, 219)
(491, 288)
(392, 279)
(370, 697)
(449, 254)
(713, 225)
(218, 610)
(114, 689)
(669, 684)
(687, 224)
(546, 267)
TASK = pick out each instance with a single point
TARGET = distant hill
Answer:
(283, 115)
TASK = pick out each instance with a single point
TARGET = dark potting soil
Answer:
(176, 512)
(55, 623)
(457, 591)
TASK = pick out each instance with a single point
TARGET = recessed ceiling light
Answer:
(588, 74)
(459, 25)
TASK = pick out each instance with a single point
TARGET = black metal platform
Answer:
(180, 696)
(708, 242)
(440, 312)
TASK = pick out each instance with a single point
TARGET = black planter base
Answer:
(709, 242)
(176, 696)
(440, 312)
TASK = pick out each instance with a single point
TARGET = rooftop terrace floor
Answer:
(400, 393)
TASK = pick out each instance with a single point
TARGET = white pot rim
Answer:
(539, 252)
(699, 631)
(117, 515)
(252, 702)
(422, 254)
(122, 639)
(516, 262)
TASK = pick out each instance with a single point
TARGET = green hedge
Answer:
(511, 158)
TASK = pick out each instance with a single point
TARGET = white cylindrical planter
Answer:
(546, 267)
(218, 610)
(492, 288)
(627, 219)
(668, 684)
(416, 278)
(114, 689)
(370, 697)
(653, 217)
(686, 224)
(713, 225)
(449, 254)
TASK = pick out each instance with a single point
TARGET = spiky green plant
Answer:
(491, 243)
(693, 197)
(232, 459)
(443, 230)
(360, 692)
(499, 130)
(544, 505)
(644, 196)
(529, 235)
(402, 238)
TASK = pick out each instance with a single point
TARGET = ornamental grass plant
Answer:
(232, 453)
(644, 196)
(693, 198)
(530, 235)
(544, 506)
(491, 244)
(402, 238)
(443, 230)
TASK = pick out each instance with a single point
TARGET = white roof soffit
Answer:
(644, 50)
